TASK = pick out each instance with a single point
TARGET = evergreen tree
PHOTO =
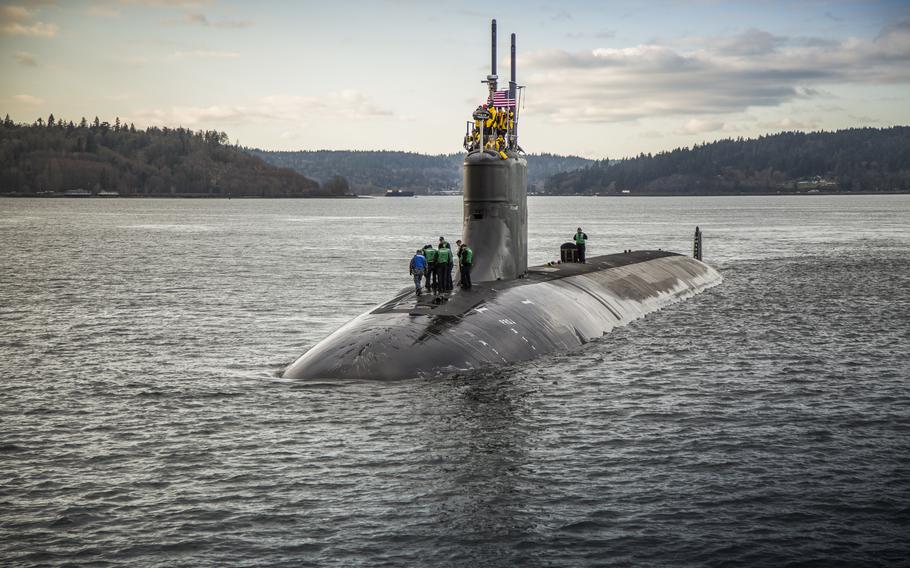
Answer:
(151, 162)
(337, 186)
(859, 159)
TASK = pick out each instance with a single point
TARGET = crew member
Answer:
(465, 261)
(417, 268)
(443, 266)
(580, 240)
(430, 254)
(450, 266)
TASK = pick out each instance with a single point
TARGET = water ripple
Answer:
(762, 423)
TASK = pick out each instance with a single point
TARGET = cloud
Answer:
(103, 11)
(200, 19)
(864, 119)
(348, 104)
(196, 18)
(700, 125)
(749, 42)
(25, 58)
(820, 42)
(167, 3)
(204, 54)
(180, 55)
(719, 76)
(28, 100)
(788, 124)
(20, 21)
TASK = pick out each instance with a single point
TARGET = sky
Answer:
(602, 79)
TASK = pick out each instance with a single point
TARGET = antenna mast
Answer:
(492, 79)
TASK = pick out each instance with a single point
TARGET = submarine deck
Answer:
(553, 308)
(459, 302)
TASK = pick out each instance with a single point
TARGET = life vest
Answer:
(430, 255)
(580, 238)
(443, 256)
(492, 120)
(467, 255)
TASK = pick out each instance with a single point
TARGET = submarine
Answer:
(512, 313)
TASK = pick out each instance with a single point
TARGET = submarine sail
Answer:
(495, 180)
(512, 313)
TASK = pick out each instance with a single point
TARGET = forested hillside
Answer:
(854, 160)
(56, 156)
(377, 171)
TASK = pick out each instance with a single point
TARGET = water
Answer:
(765, 422)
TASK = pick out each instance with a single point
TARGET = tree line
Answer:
(378, 171)
(852, 160)
(54, 155)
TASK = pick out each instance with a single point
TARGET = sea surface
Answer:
(143, 420)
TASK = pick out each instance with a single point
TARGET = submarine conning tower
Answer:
(495, 182)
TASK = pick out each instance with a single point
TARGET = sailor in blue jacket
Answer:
(417, 267)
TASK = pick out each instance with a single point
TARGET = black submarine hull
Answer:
(554, 309)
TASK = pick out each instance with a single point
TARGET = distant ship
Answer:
(399, 193)
(513, 312)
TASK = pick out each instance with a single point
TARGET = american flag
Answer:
(502, 99)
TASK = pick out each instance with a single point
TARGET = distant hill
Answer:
(55, 156)
(854, 160)
(377, 171)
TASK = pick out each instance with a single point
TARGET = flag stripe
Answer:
(501, 98)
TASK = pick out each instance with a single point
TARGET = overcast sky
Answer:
(604, 79)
